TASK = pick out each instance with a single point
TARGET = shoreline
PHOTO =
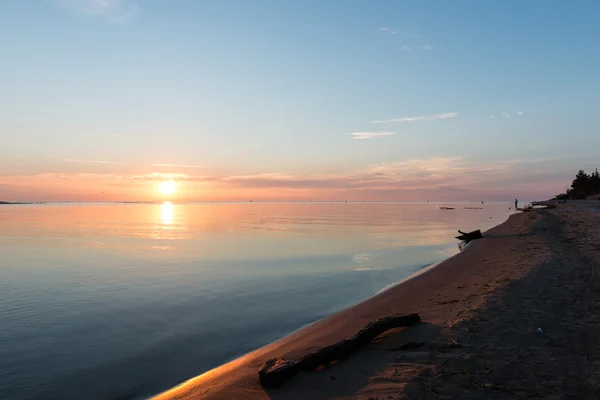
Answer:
(239, 377)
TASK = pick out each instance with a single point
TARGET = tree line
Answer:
(583, 186)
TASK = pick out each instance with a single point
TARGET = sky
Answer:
(104, 100)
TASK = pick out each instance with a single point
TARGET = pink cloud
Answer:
(444, 178)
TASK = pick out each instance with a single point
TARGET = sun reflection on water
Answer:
(166, 213)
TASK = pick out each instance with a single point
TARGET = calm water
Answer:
(120, 301)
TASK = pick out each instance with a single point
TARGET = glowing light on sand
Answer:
(166, 187)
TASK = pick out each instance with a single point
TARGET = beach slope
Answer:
(513, 315)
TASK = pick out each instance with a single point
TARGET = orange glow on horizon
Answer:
(179, 187)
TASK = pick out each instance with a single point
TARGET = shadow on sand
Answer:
(349, 376)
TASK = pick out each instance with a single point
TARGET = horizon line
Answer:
(38, 202)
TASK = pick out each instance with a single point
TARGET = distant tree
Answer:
(561, 196)
(583, 186)
(595, 182)
(580, 185)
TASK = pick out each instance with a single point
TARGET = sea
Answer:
(122, 301)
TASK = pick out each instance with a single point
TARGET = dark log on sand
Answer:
(467, 237)
(277, 371)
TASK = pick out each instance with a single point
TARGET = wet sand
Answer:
(515, 315)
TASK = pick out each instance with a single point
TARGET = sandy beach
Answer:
(515, 315)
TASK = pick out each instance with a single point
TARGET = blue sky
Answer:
(483, 99)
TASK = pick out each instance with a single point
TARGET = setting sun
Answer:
(166, 187)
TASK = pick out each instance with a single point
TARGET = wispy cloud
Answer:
(178, 165)
(408, 40)
(118, 11)
(370, 135)
(397, 177)
(419, 118)
(410, 179)
(92, 161)
(507, 114)
(161, 176)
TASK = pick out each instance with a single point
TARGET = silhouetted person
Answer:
(516, 204)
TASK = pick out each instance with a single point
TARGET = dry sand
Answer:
(481, 311)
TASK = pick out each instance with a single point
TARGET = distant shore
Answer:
(481, 311)
(78, 202)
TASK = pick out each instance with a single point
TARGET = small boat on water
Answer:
(531, 207)
(446, 208)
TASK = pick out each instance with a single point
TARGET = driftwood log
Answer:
(468, 236)
(276, 371)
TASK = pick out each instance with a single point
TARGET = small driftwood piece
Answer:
(468, 236)
(276, 371)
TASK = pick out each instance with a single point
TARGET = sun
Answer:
(166, 187)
